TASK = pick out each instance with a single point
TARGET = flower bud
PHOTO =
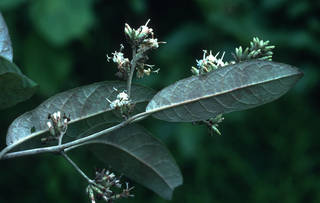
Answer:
(128, 30)
(194, 71)
(51, 128)
(147, 71)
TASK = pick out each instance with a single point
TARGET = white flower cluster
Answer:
(208, 63)
(143, 39)
(119, 59)
(57, 124)
(122, 100)
(149, 43)
(122, 62)
(103, 187)
(136, 36)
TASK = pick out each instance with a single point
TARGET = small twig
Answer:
(132, 69)
(78, 142)
(15, 144)
(76, 167)
(60, 138)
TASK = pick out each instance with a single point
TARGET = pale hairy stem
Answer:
(85, 143)
(75, 143)
(76, 167)
(60, 138)
(132, 69)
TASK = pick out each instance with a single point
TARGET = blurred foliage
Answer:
(49, 67)
(268, 154)
(10, 4)
(60, 21)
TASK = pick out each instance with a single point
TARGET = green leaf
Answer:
(87, 107)
(61, 21)
(5, 42)
(231, 88)
(14, 86)
(141, 157)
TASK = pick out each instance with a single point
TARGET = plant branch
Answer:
(132, 68)
(76, 167)
(60, 138)
(75, 143)
(20, 141)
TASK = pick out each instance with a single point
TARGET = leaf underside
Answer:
(141, 157)
(231, 88)
(14, 86)
(87, 107)
(5, 42)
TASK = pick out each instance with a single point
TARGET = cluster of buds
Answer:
(142, 39)
(258, 49)
(212, 124)
(57, 125)
(137, 36)
(123, 63)
(208, 63)
(105, 185)
(122, 103)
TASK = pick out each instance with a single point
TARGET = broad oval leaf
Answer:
(87, 107)
(5, 42)
(231, 88)
(141, 157)
(14, 86)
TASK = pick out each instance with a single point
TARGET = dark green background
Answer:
(268, 154)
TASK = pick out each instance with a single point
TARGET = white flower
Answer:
(49, 124)
(152, 43)
(65, 121)
(117, 57)
(145, 30)
(122, 100)
(112, 175)
(114, 104)
(123, 96)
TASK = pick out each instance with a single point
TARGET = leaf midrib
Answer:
(79, 119)
(218, 94)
